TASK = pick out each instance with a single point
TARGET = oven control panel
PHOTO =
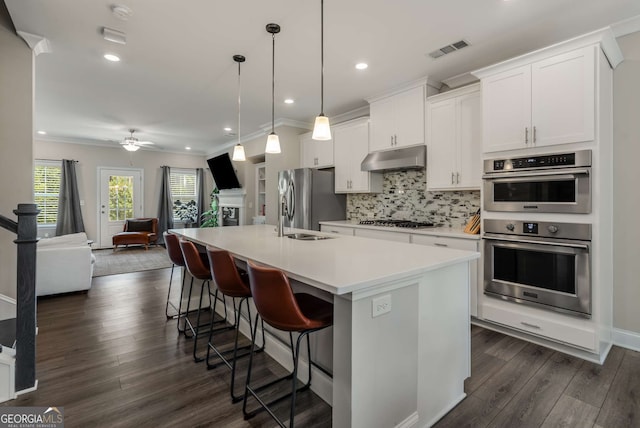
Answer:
(544, 229)
(556, 160)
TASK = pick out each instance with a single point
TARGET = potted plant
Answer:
(210, 217)
(186, 211)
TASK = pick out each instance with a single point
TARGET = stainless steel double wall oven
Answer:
(543, 263)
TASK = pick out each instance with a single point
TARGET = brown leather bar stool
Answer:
(172, 244)
(285, 310)
(231, 283)
(198, 266)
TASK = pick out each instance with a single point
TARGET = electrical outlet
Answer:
(380, 305)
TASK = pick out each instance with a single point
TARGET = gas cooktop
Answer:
(397, 223)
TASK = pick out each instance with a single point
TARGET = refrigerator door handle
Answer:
(291, 200)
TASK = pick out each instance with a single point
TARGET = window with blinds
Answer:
(46, 190)
(183, 187)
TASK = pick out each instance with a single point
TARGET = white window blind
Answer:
(183, 187)
(46, 190)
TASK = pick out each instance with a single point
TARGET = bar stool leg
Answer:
(197, 327)
(187, 323)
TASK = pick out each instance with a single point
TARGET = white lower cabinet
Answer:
(384, 234)
(569, 331)
(339, 230)
(457, 244)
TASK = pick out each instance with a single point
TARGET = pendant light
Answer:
(273, 142)
(321, 128)
(238, 149)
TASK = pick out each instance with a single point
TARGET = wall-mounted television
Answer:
(223, 173)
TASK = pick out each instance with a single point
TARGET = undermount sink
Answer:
(306, 237)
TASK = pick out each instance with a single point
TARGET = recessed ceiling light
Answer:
(42, 132)
(227, 129)
(111, 57)
(289, 101)
(362, 65)
(187, 148)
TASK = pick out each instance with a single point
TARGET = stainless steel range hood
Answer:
(408, 158)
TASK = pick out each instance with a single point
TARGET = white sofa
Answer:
(63, 264)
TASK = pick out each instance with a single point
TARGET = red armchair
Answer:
(140, 231)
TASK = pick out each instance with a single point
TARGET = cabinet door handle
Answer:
(452, 175)
(526, 135)
(392, 140)
(395, 140)
(457, 178)
(534, 134)
(438, 244)
(526, 324)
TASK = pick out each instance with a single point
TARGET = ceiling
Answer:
(177, 85)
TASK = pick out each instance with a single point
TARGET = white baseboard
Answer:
(7, 307)
(410, 421)
(626, 339)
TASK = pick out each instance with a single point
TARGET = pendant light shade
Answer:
(321, 128)
(238, 150)
(238, 153)
(130, 147)
(273, 142)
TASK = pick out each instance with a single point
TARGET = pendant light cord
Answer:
(322, 57)
(239, 92)
(273, 81)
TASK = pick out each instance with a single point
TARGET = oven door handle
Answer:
(528, 241)
(501, 176)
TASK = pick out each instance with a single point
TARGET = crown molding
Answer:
(38, 44)
(111, 145)
(626, 26)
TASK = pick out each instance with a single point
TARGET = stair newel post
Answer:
(26, 296)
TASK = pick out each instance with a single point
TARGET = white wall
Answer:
(287, 159)
(91, 157)
(16, 139)
(626, 138)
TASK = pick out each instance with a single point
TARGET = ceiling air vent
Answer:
(449, 48)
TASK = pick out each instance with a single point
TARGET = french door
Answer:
(120, 198)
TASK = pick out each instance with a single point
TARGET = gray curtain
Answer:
(202, 205)
(165, 205)
(69, 212)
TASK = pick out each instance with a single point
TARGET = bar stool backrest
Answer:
(195, 265)
(275, 301)
(172, 243)
(226, 275)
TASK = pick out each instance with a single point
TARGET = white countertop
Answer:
(341, 265)
(450, 232)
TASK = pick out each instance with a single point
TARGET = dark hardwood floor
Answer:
(520, 384)
(111, 359)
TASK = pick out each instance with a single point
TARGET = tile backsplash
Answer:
(404, 196)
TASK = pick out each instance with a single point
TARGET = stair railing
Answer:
(26, 230)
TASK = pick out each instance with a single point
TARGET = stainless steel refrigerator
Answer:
(310, 198)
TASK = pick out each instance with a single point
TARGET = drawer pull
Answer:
(526, 324)
(437, 244)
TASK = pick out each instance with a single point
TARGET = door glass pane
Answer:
(535, 191)
(541, 269)
(120, 197)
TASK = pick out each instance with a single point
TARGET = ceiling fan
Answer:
(132, 144)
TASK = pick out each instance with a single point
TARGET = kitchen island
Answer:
(401, 341)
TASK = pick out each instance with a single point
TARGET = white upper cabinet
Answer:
(315, 154)
(351, 145)
(398, 120)
(454, 147)
(547, 102)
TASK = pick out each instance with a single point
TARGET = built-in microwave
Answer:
(551, 183)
